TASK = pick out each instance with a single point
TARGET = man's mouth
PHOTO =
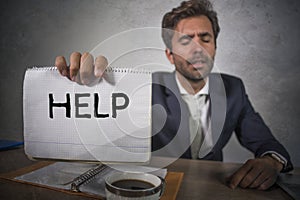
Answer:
(197, 64)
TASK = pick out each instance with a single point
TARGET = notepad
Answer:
(109, 121)
(81, 177)
(58, 176)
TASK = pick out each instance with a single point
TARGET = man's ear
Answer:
(169, 55)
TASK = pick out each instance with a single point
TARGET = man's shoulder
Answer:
(231, 84)
(228, 80)
(226, 77)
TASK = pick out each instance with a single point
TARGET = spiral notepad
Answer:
(84, 178)
(109, 121)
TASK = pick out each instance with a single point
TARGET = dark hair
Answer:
(185, 10)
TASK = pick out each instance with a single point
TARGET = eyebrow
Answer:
(190, 36)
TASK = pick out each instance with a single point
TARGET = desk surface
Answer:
(202, 180)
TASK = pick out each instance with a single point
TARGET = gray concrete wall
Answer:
(259, 42)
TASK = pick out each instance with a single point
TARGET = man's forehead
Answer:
(197, 24)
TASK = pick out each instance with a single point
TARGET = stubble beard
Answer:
(196, 75)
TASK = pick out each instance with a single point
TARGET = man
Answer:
(203, 109)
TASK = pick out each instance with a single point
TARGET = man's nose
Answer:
(197, 45)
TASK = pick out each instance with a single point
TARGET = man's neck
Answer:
(191, 86)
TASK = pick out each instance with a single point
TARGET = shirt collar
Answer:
(204, 90)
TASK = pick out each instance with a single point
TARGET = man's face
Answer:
(193, 48)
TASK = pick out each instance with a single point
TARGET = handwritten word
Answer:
(79, 104)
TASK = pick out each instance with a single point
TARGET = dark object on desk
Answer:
(9, 144)
(291, 184)
(132, 184)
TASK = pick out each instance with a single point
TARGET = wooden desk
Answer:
(202, 180)
(207, 180)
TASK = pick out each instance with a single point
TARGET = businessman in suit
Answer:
(195, 111)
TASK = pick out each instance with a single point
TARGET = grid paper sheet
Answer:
(84, 136)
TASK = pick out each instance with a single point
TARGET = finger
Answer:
(256, 171)
(251, 177)
(74, 65)
(259, 180)
(100, 66)
(86, 68)
(61, 64)
(238, 176)
(267, 183)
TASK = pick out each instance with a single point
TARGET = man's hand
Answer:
(83, 69)
(260, 173)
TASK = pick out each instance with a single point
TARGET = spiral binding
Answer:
(42, 68)
(127, 70)
(86, 177)
(108, 69)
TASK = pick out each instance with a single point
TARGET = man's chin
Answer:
(195, 78)
(198, 75)
(194, 75)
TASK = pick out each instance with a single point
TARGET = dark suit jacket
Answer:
(231, 111)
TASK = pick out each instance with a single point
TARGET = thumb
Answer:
(100, 66)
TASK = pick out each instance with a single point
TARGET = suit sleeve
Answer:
(253, 133)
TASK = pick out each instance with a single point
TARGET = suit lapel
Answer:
(181, 141)
(218, 105)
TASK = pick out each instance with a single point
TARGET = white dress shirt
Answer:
(199, 113)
